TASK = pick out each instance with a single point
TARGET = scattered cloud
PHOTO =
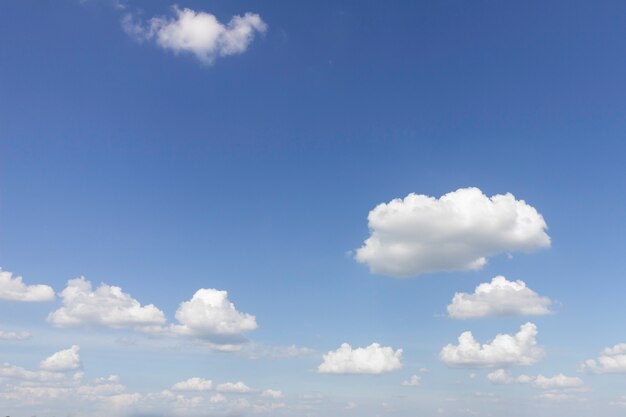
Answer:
(272, 393)
(499, 297)
(457, 232)
(503, 350)
(413, 381)
(238, 387)
(198, 33)
(106, 306)
(611, 360)
(63, 360)
(560, 381)
(193, 384)
(16, 336)
(373, 359)
(13, 289)
(211, 316)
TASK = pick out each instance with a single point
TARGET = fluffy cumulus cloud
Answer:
(198, 33)
(106, 306)
(373, 359)
(459, 231)
(611, 360)
(13, 289)
(63, 360)
(557, 382)
(210, 315)
(499, 297)
(193, 384)
(238, 387)
(504, 350)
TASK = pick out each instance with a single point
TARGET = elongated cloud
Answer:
(14, 289)
(499, 297)
(198, 33)
(238, 387)
(64, 360)
(107, 306)
(373, 359)
(503, 350)
(556, 382)
(16, 336)
(457, 232)
(210, 315)
(611, 360)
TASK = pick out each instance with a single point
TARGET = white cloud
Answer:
(106, 306)
(238, 387)
(459, 231)
(11, 371)
(14, 335)
(611, 360)
(210, 315)
(198, 33)
(373, 359)
(63, 360)
(13, 289)
(557, 382)
(413, 381)
(499, 297)
(272, 393)
(193, 384)
(504, 350)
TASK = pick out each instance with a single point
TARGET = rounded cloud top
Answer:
(456, 232)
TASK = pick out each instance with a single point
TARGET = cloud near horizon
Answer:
(504, 350)
(198, 33)
(373, 359)
(499, 297)
(457, 232)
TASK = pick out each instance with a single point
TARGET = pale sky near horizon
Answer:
(347, 208)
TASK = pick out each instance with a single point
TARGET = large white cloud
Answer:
(499, 297)
(611, 360)
(194, 384)
(14, 289)
(557, 382)
(106, 306)
(456, 232)
(198, 33)
(63, 360)
(210, 315)
(503, 350)
(373, 359)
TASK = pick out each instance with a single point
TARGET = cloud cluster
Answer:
(499, 297)
(64, 360)
(373, 359)
(198, 33)
(14, 289)
(611, 360)
(503, 350)
(560, 381)
(210, 315)
(107, 306)
(459, 231)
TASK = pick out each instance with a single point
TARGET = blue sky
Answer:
(136, 158)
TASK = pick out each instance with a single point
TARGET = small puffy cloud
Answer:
(611, 360)
(413, 381)
(106, 306)
(13, 289)
(272, 393)
(373, 359)
(457, 232)
(63, 360)
(499, 297)
(238, 387)
(560, 381)
(198, 33)
(17, 336)
(210, 315)
(503, 350)
(193, 384)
